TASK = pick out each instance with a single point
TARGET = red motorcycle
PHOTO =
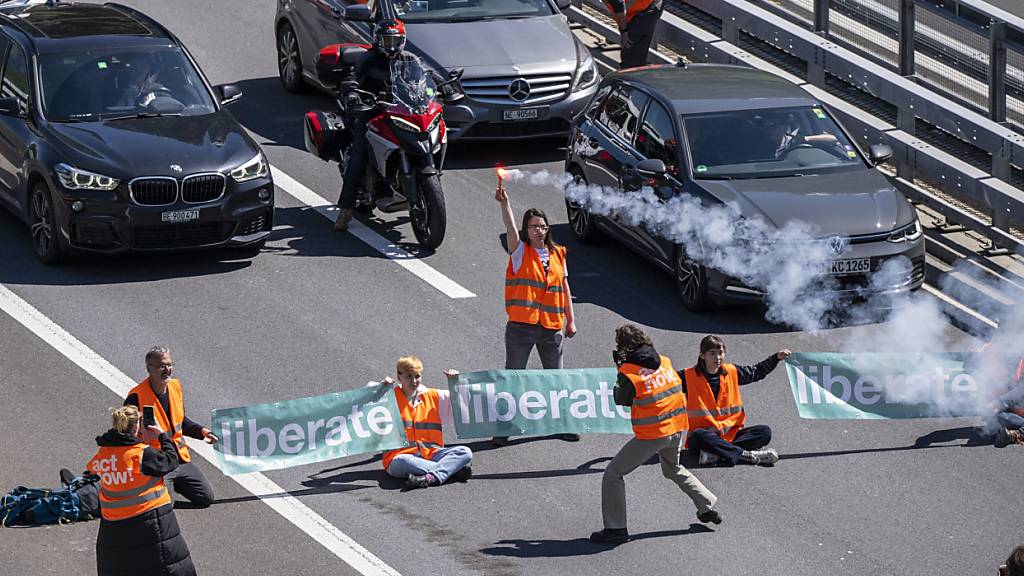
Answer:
(406, 137)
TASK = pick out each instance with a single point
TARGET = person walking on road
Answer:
(647, 382)
(715, 408)
(138, 534)
(424, 411)
(537, 297)
(637, 21)
(165, 395)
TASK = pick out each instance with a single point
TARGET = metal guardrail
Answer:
(822, 60)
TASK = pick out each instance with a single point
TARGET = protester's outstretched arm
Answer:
(511, 230)
(751, 374)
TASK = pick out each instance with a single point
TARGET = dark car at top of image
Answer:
(525, 75)
(113, 140)
(730, 134)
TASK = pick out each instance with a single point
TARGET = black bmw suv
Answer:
(111, 138)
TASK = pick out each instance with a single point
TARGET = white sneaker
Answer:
(765, 457)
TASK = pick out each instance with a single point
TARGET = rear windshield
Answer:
(470, 10)
(768, 143)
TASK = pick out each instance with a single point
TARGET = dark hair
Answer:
(629, 338)
(524, 233)
(709, 342)
(1015, 562)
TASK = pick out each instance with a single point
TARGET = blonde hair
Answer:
(125, 418)
(409, 364)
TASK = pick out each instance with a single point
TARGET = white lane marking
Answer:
(953, 303)
(376, 241)
(314, 525)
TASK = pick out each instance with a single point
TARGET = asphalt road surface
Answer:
(318, 312)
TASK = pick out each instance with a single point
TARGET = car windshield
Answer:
(411, 85)
(774, 142)
(469, 10)
(108, 84)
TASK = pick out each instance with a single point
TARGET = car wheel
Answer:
(43, 224)
(691, 283)
(581, 222)
(289, 61)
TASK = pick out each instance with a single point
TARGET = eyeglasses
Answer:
(161, 365)
(538, 227)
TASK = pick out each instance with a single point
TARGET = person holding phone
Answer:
(138, 534)
(163, 397)
(537, 297)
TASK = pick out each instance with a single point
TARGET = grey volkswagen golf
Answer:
(526, 75)
(730, 134)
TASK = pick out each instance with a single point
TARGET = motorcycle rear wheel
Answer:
(427, 214)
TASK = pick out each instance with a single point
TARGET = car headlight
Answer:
(77, 179)
(403, 124)
(586, 75)
(255, 168)
(907, 233)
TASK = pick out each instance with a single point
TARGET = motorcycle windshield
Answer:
(412, 85)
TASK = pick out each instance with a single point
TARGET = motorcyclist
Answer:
(373, 72)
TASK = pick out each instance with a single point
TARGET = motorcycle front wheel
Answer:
(428, 213)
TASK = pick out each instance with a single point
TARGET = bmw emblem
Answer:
(175, 168)
(519, 89)
(837, 244)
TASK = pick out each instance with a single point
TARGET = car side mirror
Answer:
(879, 153)
(10, 107)
(357, 13)
(228, 93)
(651, 168)
(455, 73)
(563, 4)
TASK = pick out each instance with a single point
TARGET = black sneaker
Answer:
(710, 517)
(66, 476)
(1002, 438)
(500, 441)
(610, 536)
(413, 482)
(462, 475)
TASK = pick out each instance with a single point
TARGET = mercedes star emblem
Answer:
(836, 244)
(175, 168)
(519, 89)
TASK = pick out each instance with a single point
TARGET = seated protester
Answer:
(715, 408)
(424, 410)
(1001, 369)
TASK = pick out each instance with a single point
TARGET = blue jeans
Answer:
(1010, 420)
(444, 463)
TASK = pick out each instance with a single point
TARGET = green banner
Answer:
(882, 386)
(536, 403)
(307, 430)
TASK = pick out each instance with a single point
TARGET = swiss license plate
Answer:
(180, 216)
(521, 114)
(846, 267)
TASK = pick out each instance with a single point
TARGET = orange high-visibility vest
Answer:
(171, 423)
(125, 491)
(725, 413)
(632, 9)
(422, 425)
(659, 407)
(533, 296)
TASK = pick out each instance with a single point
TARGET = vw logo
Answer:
(519, 89)
(175, 168)
(836, 244)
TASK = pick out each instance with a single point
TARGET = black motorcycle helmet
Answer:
(389, 37)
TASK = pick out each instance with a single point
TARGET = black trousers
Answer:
(748, 438)
(641, 33)
(188, 481)
(358, 155)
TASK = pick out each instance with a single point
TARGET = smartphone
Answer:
(148, 416)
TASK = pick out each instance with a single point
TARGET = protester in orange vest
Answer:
(166, 397)
(637, 21)
(139, 534)
(715, 408)
(648, 383)
(537, 297)
(427, 462)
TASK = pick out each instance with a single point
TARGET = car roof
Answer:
(65, 26)
(705, 88)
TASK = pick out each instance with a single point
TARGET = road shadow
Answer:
(301, 231)
(276, 115)
(473, 155)
(378, 475)
(332, 488)
(831, 453)
(972, 434)
(525, 548)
